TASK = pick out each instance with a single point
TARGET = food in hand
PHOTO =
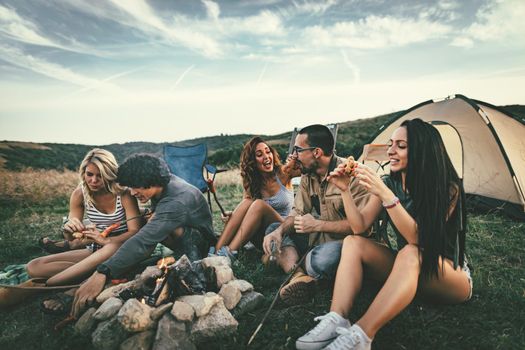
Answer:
(110, 229)
(351, 164)
(78, 235)
(287, 168)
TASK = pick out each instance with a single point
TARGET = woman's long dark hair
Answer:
(433, 184)
(252, 179)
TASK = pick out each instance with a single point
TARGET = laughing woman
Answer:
(268, 197)
(424, 202)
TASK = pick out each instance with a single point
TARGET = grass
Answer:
(493, 319)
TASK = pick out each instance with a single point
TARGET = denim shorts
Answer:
(322, 261)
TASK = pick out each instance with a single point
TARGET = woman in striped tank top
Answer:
(103, 202)
(268, 197)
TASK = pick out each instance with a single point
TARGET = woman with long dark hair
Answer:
(268, 197)
(423, 199)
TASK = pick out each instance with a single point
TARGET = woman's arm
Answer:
(76, 213)
(288, 171)
(398, 215)
(129, 203)
(359, 220)
(132, 211)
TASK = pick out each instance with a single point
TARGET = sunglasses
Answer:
(297, 149)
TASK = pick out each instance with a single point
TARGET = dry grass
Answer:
(19, 144)
(37, 185)
(230, 177)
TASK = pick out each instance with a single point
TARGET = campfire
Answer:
(175, 304)
(161, 291)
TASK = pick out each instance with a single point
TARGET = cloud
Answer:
(16, 28)
(497, 21)
(374, 32)
(261, 75)
(356, 72)
(264, 23)
(148, 21)
(212, 9)
(18, 58)
(182, 76)
(313, 7)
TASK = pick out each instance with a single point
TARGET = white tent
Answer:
(486, 146)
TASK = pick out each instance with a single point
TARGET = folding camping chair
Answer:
(190, 164)
(333, 128)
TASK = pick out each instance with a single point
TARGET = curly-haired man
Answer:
(181, 220)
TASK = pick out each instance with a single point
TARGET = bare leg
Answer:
(259, 215)
(233, 224)
(401, 286)
(358, 253)
(50, 265)
(452, 287)
(81, 270)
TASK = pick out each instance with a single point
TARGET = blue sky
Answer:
(112, 71)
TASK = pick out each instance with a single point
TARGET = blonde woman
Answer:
(103, 202)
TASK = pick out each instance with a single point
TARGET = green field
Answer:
(493, 319)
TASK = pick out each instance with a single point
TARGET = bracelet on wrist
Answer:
(391, 204)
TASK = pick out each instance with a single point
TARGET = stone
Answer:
(202, 304)
(244, 286)
(108, 335)
(189, 277)
(86, 322)
(230, 294)
(149, 273)
(158, 312)
(224, 275)
(172, 334)
(140, 341)
(218, 323)
(114, 291)
(249, 302)
(108, 309)
(183, 311)
(135, 316)
(214, 261)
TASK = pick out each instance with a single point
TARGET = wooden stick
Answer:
(277, 296)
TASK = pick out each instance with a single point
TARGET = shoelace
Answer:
(347, 339)
(325, 321)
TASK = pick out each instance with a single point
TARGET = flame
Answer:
(165, 262)
(143, 301)
(161, 263)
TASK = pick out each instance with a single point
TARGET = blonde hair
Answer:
(107, 165)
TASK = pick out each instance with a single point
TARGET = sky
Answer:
(112, 71)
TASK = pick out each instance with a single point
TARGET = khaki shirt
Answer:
(316, 195)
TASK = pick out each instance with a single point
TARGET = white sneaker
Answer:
(353, 338)
(322, 334)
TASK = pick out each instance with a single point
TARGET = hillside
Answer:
(224, 150)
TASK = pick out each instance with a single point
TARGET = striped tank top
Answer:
(282, 201)
(102, 220)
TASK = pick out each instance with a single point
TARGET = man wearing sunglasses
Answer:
(317, 219)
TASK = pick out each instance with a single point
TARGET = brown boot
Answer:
(13, 295)
(299, 290)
